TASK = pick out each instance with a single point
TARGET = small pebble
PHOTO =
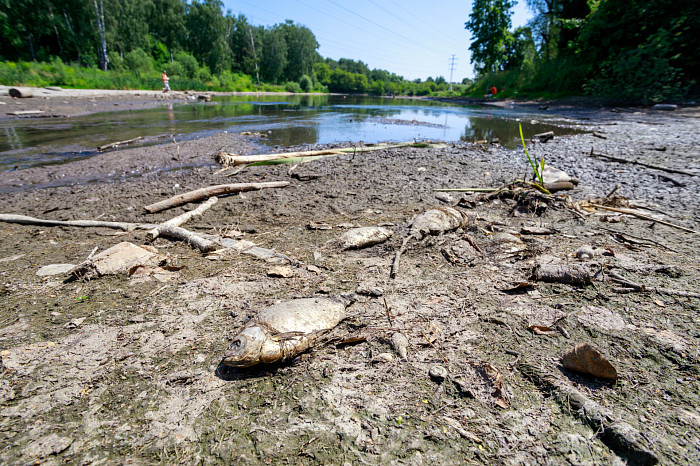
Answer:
(399, 343)
(383, 357)
(585, 252)
(438, 373)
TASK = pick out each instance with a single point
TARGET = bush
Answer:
(188, 62)
(306, 84)
(139, 62)
(116, 62)
(292, 87)
(203, 74)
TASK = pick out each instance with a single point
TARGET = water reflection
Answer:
(289, 120)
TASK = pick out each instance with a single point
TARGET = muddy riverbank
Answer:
(124, 368)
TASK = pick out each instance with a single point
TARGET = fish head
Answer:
(247, 348)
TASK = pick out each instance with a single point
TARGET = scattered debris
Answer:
(399, 343)
(431, 222)
(585, 253)
(54, 269)
(618, 435)
(363, 237)
(544, 137)
(181, 219)
(280, 332)
(115, 145)
(280, 271)
(438, 373)
(211, 191)
(557, 180)
(585, 359)
(568, 274)
(118, 259)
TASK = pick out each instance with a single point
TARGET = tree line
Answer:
(198, 43)
(638, 50)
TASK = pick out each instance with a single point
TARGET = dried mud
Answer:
(139, 380)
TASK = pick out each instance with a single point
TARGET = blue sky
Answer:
(412, 38)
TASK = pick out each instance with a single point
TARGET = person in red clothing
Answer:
(166, 86)
(493, 91)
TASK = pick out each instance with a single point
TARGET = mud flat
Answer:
(122, 367)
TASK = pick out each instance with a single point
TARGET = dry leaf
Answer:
(542, 330)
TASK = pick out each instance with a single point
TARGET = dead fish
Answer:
(363, 237)
(284, 330)
(431, 222)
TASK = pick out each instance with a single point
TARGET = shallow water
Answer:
(286, 120)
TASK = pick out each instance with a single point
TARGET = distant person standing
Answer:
(493, 91)
(166, 86)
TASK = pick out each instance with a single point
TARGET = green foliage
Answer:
(306, 84)
(292, 87)
(488, 23)
(537, 170)
(139, 62)
(160, 54)
(188, 62)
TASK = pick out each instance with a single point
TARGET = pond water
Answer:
(287, 120)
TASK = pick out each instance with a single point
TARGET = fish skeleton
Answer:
(284, 330)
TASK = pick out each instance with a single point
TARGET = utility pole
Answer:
(452, 62)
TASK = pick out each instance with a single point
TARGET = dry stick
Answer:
(25, 220)
(118, 143)
(624, 235)
(397, 258)
(645, 217)
(211, 191)
(637, 287)
(388, 313)
(642, 164)
(434, 347)
(619, 436)
(193, 239)
(180, 219)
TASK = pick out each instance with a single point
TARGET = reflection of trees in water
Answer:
(13, 140)
(507, 131)
(294, 136)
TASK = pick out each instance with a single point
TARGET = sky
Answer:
(412, 38)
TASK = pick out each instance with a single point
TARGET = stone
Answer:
(54, 269)
(588, 360)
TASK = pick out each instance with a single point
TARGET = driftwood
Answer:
(193, 239)
(180, 219)
(25, 220)
(544, 137)
(27, 112)
(619, 436)
(641, 164)
(234, 159)
(568, 274)
(642, 216)
(21, 92)
(113, 145)
(211, 191)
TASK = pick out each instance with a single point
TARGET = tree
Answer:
(167, 23)
(301, 50)
(274, 54)
(489, 23)
(206, 34)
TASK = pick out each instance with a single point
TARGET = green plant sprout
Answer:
(538, 171)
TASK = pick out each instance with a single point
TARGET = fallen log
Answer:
(211, 191)
(180, 219)
(228, 159)
(21, 92)
(619, 436)
(25, 220)
(193, 239)
(112, 145)
(544, 137)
